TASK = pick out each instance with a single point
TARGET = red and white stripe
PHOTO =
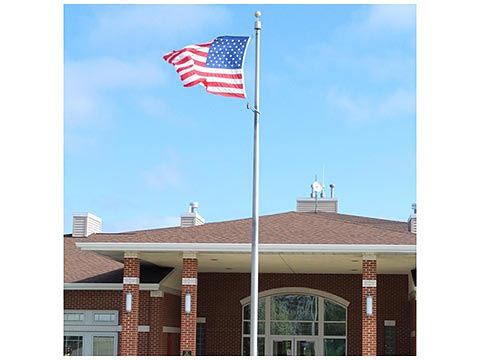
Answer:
(190, 65)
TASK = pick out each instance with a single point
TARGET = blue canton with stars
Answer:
(226, 52)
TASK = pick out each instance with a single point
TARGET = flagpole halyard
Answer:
(256, 148)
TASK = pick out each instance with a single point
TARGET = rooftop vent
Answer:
(85, 224)
(317, 202)
(412, 220)
(192, 218)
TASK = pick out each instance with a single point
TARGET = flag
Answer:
(217, 65)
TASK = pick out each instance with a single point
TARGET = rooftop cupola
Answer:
(192, 218)
(412, 220)
(85, 224)
(317, 200)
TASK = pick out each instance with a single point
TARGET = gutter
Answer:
(246, 248)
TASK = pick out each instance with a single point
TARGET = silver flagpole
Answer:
(254, 280)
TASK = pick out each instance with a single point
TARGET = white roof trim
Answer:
(87, 214)
(96, 328)
(105, 286)
(301, 291)
(246, 248)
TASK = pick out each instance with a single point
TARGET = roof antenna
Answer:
(316, 187)
(323, 180)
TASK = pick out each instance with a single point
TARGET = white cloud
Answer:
(134, 26)
(359, 108)
(89, 82)
(164, 176)
(400, 102)
(110, 73)
(396, 17)
(153, 106)
(143, 222)
(399, 68)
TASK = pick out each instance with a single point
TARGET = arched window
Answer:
(299, 322)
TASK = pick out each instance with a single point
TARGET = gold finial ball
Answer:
(258, 14)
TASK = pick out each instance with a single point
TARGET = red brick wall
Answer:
(392, 295)
(219, 298)
(175, 344)
(94, 300)
(163, 311)
(171, 317)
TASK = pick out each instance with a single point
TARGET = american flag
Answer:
(216, 65)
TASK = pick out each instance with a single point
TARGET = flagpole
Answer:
(256, 142)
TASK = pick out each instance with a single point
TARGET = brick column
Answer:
(131, 285)
(369, 288)
(188, 325)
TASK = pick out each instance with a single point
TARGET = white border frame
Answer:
(299, 291)
(323, 295)
(87, 344)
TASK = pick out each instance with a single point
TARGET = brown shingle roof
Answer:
(285, 228)
(79, 265)
(88, 267)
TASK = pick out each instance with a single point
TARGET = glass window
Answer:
(282, 348)
(103, 345)
(297, 315)
(260, 346)
(74, 317)
(293, 328)
(334, 347)
(305, 348)
(261, 310)
(335, 317)
(72, 345)
(104, 317)
(334, 312)
(334, 329)
(294, 307)
(261, 327)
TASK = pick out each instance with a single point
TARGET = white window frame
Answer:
(321, 296)
(89, 317)
(87, 343)
(322, 330)
(88, 328)
(77, 334)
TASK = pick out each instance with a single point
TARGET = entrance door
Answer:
(294, 346)
(282, 347)
(305, 347)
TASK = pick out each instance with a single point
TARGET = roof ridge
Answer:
(360, 224)
(328, 216)
(366, 217)
(132, 232)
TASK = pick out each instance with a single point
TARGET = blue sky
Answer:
(96, 176)
(338, 92)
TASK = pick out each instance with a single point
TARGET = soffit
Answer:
(287, 263)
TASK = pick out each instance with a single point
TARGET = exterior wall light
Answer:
(188, 303)
(128, 302)
(369, 305)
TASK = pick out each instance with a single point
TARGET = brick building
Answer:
(329, 284)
